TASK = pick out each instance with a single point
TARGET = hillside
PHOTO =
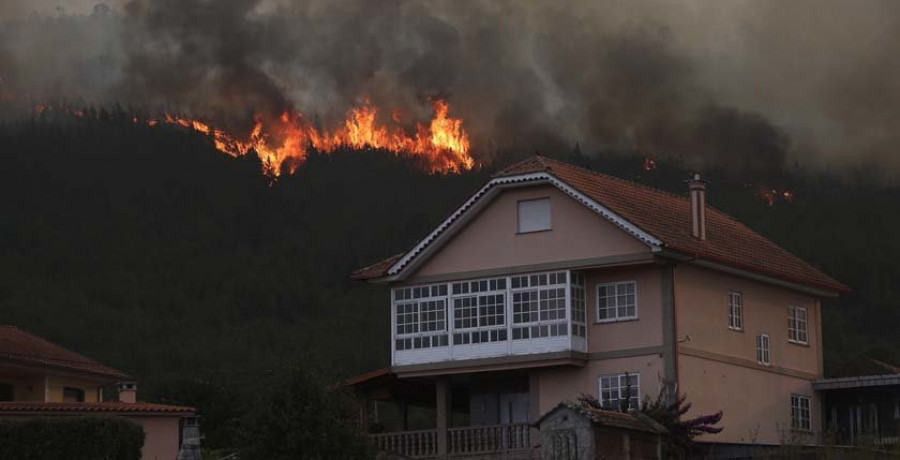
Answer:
(149, 250)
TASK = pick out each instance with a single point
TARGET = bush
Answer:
(298, 417)
(71, 438)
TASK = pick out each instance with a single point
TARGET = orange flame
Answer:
(772, 195)
(284, 143)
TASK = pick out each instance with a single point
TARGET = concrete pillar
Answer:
(443, 408)
(404, 411)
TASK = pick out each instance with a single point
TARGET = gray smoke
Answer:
(746, 84)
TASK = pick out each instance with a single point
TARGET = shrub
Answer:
(298, 416)
(71, 438)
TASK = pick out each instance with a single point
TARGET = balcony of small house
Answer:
(519, 317)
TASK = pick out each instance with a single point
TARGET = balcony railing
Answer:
(461, 442)
(489, 439)
(412, 444)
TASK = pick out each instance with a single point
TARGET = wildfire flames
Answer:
(772, 195)
(283, 144)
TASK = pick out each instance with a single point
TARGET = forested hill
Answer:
(147, 249)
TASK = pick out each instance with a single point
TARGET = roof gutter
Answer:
(743, 273)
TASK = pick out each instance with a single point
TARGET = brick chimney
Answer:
(128, 392)
(697, 188)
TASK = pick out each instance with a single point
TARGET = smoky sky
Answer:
(751, 85)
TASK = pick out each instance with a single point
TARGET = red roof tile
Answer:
(376, 270)
(26, 349)
(91, 407)
(668, 218)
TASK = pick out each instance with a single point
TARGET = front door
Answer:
(514, 408)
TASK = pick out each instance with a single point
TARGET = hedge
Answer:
(70, 438)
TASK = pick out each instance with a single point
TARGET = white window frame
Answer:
(794, 321)
(801, 417)
(536, 289)
(618, 318)
(621, 386)
(578, 294)
(763, 349)
(537, 226)
(434, 294)
(735, 311)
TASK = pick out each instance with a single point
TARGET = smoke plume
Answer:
(744, 84)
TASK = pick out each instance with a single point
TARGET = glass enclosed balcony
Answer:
(481, 318)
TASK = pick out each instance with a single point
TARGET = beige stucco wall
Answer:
(646, 331)
(490, 240)
(756, 405)
(162, 435)
(25, 387)
(557, 384)
(717, 367)
(31, 385)
(57, 383)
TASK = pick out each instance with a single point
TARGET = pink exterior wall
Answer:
(756, 405)
(559, 384)
(162, 436)
(490, 240)
(717, 368)
(646, 331)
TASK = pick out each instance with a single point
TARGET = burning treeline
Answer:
(282, 142)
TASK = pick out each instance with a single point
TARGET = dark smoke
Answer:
(744, 85)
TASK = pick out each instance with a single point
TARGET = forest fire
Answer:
(283, 144)
(772, 195)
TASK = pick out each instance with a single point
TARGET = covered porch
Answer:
(862, 411)
(470, 415)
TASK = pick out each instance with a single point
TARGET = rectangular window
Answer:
(620, 389)
(420, 317)
(735, 311)
(763, 351)
(579, 305)
(798, 325)
(534, 215)
(7, 392)
(801, 418)
(479, 311)
(616, 301)
(539, 301)
(73, 394)
(432, 315)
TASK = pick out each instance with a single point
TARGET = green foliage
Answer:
(298, 417)
(680, 432)
(71, 438)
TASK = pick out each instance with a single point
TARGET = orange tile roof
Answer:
(25, 349)
(92, 407)
(667, 217)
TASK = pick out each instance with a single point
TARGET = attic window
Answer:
(534, 215)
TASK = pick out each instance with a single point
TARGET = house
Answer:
(553, 280)
(39, 378)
